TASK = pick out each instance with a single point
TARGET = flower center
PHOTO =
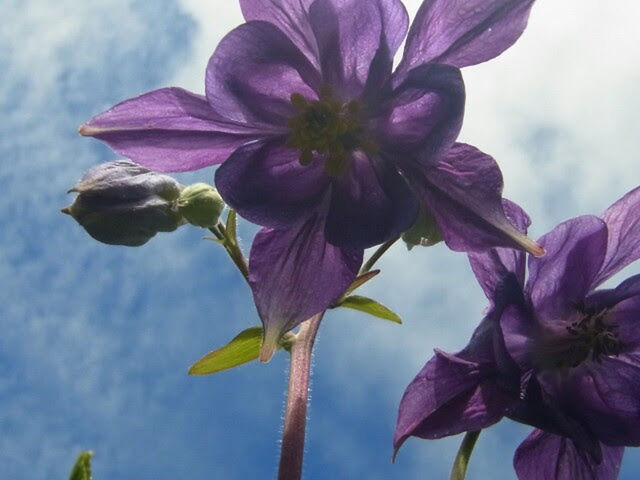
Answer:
(330, 128)
(590, 338)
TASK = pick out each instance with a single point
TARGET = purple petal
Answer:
(351, 33)
(625, 314)
(563, 277)
(609, 298)
(609, 397)
(463, 191)
(253, 73)
(450, 395)
(464, 32)
(370, 203)
(623, 221)
(519, 333)
(424, 113)
(267, 185)
(290, 16)
(170, 130)
(491, 267)
(294, 274)
(544, 456)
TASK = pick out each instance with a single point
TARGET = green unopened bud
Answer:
(201, 205)
(424, 232)
(123, 203)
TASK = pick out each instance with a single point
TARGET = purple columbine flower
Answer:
(324, 145)
(555, 353)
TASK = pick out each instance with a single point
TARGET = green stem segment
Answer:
(460, 464)
(232, 248)
(295, 416)
(377, 254)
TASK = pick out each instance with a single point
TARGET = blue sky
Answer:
(96, 340)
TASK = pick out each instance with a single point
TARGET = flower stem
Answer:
(232, 248)
(377, 254)
(459, 470)
(295, 416)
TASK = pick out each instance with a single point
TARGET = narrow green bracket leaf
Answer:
(357, 283)
(244, 348)
(82, 468)
(361, 280)
(231, 227)
(214, 239)
(371, 307)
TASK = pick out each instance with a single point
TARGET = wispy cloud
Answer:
(96, 339)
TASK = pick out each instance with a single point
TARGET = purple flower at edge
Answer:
(555, 353)
(324, 145)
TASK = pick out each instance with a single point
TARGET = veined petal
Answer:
(450, 395)
(290, 16)
(562, 278)
(609, 397)
(464, 32)
(170, 130)
(623, 222)
(424, 114)
(545, 456)
(267, 185)
(350, 34)
(519, 333)
(294, 274)
(610, 298)
(463, 192)
(626, 314)
(491, 267)
(370, 203)
(253, 73)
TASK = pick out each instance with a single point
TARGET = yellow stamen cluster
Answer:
(330, 128)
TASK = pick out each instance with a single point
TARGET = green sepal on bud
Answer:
(200, 204)
(123, 203)
(424, 232)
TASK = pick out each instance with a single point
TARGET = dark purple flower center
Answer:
(330, 128)
(590, 337)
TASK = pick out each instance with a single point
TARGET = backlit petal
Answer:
(253, 73)
(464, 32)
(370, 204)
(267, 185)
(170, 130)
(463, 191)
(294, 274)
(544, 456)
(623, 247)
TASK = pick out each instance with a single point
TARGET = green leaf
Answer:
(230, 227)
(361, 280)
(357, 283)
(367, 305)
(82, 468)
(244, 348)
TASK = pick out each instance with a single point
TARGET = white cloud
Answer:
(557, 111)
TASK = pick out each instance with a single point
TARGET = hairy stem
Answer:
(377, 254)
(232, 248)
(295, 417)
(459, 470)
